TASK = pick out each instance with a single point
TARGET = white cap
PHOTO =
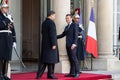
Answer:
(76, 16)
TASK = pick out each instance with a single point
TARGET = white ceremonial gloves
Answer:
(10, 18)
(14, 45)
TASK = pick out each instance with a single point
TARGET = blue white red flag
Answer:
(91, 41)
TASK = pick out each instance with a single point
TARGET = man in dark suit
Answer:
(71, 33)
(49, 50)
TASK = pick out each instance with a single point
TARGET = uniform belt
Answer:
(4, 31)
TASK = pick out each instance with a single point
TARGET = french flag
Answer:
(91, 39)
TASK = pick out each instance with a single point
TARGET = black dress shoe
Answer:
(40, 70)
(76, 75)
(69, 75)
(51, 77)
(38, 76)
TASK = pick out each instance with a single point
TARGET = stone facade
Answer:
(104, 24)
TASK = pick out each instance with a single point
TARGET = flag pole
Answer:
(91, 62)
(92, 5)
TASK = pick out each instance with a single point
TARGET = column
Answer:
(61, 7)
(105, 27)
(105, 36)
(15, 11)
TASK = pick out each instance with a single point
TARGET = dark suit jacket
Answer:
(49, 39)
(71, 33)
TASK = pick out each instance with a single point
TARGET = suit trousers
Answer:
(42, 67)
(74, 64)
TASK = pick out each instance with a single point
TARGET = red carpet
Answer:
(83, 76)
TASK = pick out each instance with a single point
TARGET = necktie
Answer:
(68, 27)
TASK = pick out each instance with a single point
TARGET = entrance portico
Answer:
(29, 14)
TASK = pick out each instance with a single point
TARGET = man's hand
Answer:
(53, 47)
(73, 46)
